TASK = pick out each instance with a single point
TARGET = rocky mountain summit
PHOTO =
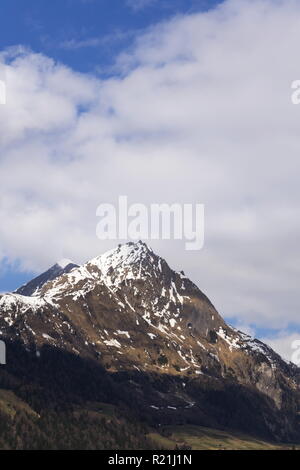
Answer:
(160, 339)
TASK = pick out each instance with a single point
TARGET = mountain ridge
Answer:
(33, 286)
(129, 312)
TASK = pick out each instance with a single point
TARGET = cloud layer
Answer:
(199, 111)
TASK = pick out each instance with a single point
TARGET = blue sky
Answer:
(85, 34)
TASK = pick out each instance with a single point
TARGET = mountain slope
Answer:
(58, 269)
(162, 341)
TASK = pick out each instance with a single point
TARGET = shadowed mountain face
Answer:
(159, 340)
(37, 283)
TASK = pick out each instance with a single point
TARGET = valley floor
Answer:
(201, 438)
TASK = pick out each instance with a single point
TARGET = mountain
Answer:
(126, 330)
(62, 267)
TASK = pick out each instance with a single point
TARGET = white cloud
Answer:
(287, 345)
(137, 5)
(202, 113)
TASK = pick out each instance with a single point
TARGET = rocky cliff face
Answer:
(158, 335)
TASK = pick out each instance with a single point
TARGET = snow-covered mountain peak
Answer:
(128, 260)
(127, 254)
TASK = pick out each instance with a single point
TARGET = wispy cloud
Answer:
(109, 39)
(137, 5)
(73, 44)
